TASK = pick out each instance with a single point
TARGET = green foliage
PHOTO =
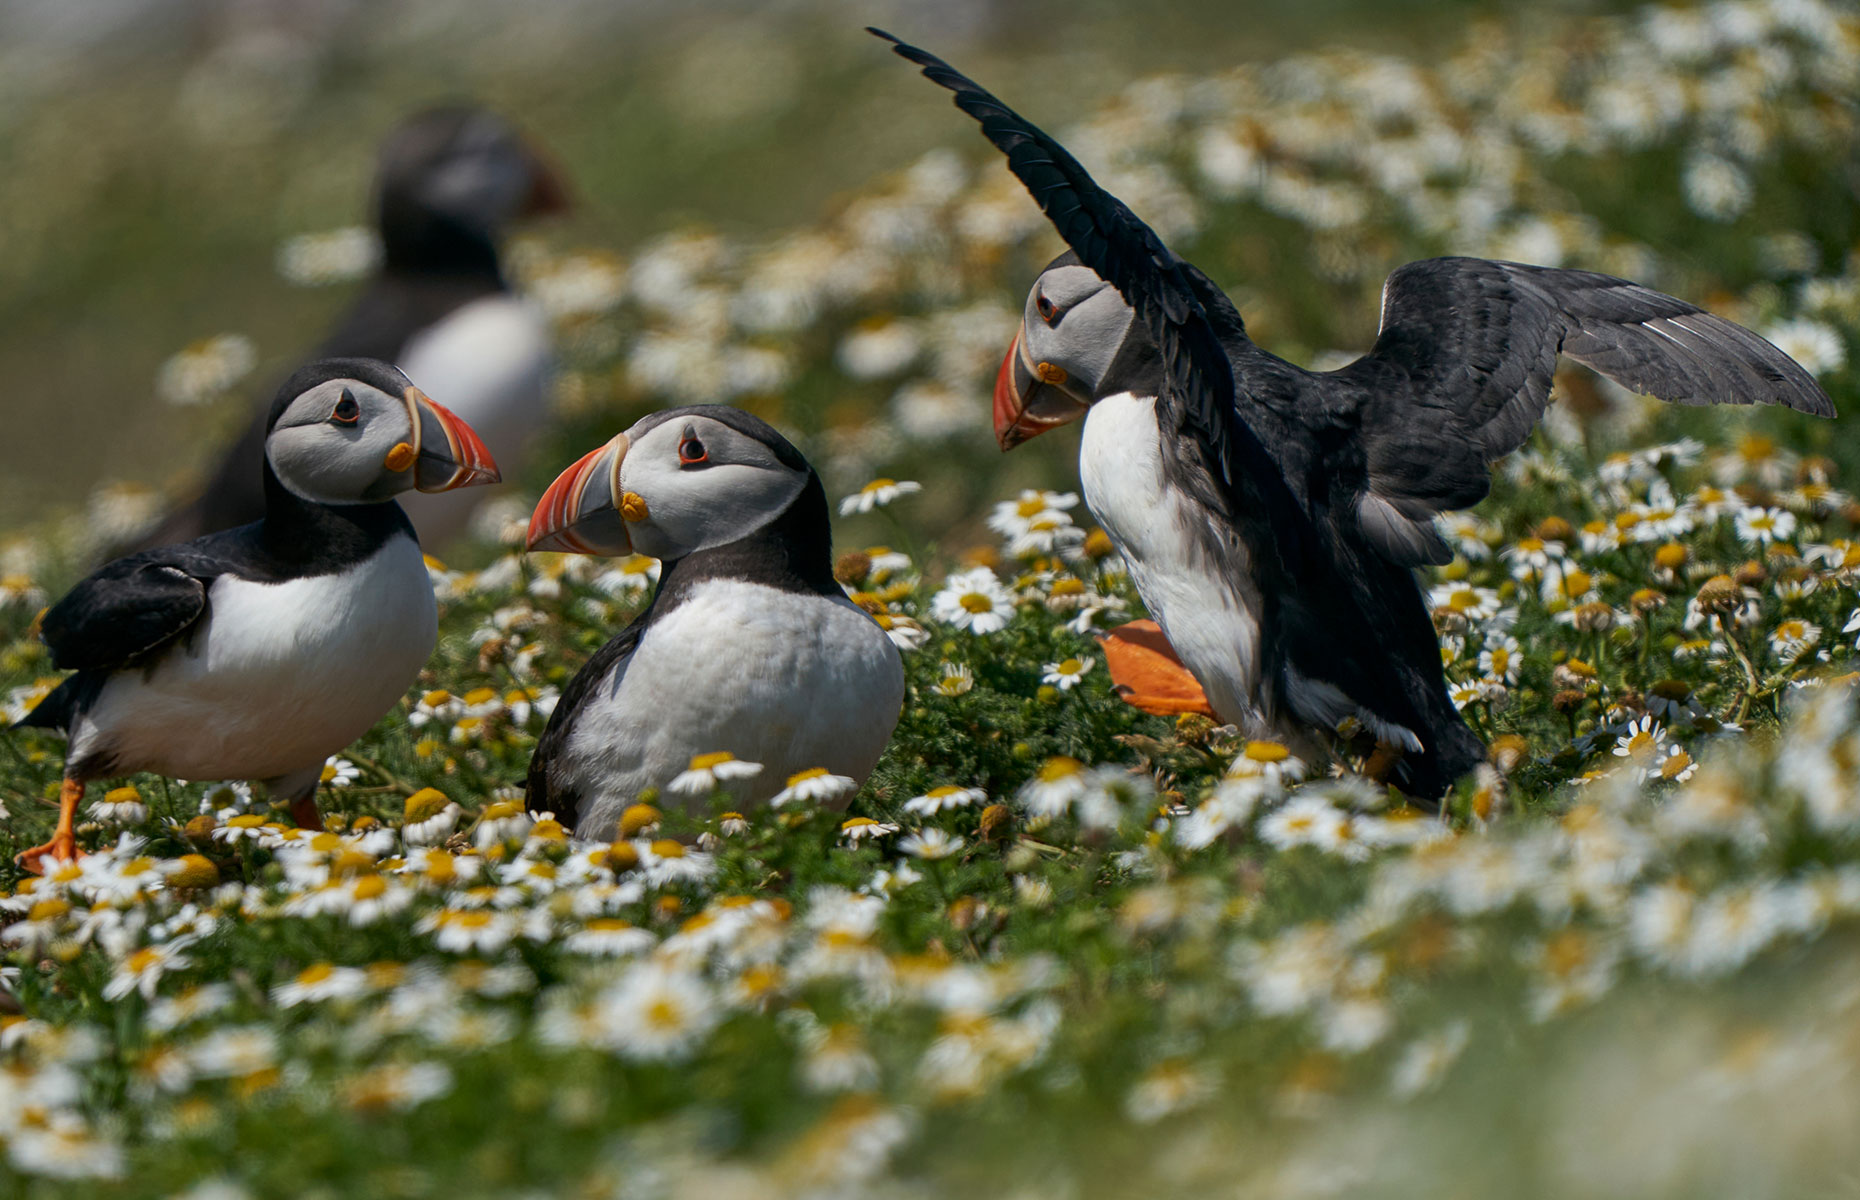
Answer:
(1056, 946)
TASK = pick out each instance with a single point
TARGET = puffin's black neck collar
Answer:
(1137, 367)
(415, 241)
(300, 538)
(792, 553)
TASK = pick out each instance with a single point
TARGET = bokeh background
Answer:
(159, 153)
(1646, 977)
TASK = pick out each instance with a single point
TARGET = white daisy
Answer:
(142, 970)
(1271, 761)
(814, 785)
(120, 806)
(1794, 637)
(1761, 526)
(957, 679)
(1067, 672)
(1011, 518)
(1814, 344)
(709, 771)
(1644, 741)
(207, 369)
(877, 494)
(859, 829)
(974, 600)
(656, 1012)
(610, 937)
(905, 633)
(1302, 821)
(633, 575)
(1501, 658)
(1061, 781)
(948, 795)
(931, 843)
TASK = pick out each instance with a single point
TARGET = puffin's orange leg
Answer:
(305, 812)
(1146, 673)
(63, 845)
(1383, 761)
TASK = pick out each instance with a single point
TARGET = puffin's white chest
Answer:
(1208, 608)
(489, 363)
(787, 680)
(277, 677)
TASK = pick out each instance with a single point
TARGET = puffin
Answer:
(257, 652)
(449, 182)
(748, 646)
(1273, 517)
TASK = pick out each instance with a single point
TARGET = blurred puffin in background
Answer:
(258, 652)
(1272, 517)
(449, 184)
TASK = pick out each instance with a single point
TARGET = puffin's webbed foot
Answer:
(1383, 761)
(1146, 673)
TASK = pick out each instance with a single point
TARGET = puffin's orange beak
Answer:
(549, 195)
(581, 511)
(448, 452)
(1026, 405)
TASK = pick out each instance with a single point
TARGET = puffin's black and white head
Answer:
(1078, 342)
(356, 431)
(460, 170)
(677, 482)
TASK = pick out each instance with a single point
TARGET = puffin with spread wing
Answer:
(1273, 516)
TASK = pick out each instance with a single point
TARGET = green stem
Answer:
(394, 782)
(1751, 685)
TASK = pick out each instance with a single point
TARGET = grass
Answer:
(1144, 956)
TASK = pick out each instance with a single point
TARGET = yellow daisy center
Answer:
(1267, 752)
(1060, 767)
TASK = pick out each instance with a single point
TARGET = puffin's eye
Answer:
(1047, 309)
(347, 411)
(691, 452)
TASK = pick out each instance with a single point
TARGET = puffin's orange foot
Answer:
(62, 847)
(1146, 674)
(1382, 762)
(305, 812)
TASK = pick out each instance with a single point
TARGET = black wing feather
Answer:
(127, 611)
(1187, 315)
(1463, 367)
(541, 793)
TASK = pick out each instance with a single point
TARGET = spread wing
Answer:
(543, 792)
(126, 612)
(1462, 370)
(1184, 311)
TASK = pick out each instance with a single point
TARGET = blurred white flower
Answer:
(877, 494)
(333, 256)
(207, 369)
(1814, 344)
(876, 350)
(1716, 188)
